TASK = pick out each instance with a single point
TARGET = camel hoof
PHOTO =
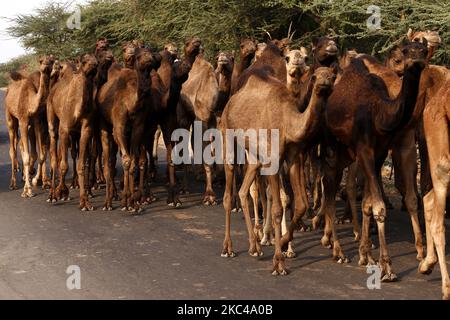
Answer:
(123, 209)
(426, 268)
(283, 272)
(389, 277)
(28, 194)
(289, 254)
(342, 260)
(228, 255)
(107, 208)
(266, 242)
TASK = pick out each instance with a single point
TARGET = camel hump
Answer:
(16, 76)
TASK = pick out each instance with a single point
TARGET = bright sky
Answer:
(10, 48)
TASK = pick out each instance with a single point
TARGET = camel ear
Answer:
(304, 52)
(410, 35)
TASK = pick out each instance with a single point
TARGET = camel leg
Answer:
(83, 166)
(157, 136)
(33, 149)
(92, 158)
(237, 206)
(351, 187)
(143, 177)
(290, 252)
(266, 197)
(74, 153)
(106, 138)
(27, 189)
(62, 192)
(332, 177)
(13, 125)
(135, 148)
(404, 157)
(365, 246)
(255, 247)
(209, 198)
(173, 198)
(254, 194)
(53, 154)
(426, 266)
(40, 140)
(437, 228)
(227, 244)
(367, 161)
(278, 258)
(121, 140)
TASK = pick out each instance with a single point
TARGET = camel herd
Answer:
(342, 111)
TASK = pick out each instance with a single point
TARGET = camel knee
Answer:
(126, 163)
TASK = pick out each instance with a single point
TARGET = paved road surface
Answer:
(175, 254)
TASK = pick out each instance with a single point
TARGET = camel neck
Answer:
(41, 94)
(303, 126)
(397, 115)
(143, 82)
(102, 74)
(244, 63)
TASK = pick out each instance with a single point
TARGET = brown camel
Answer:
(270, 104)
(24, 105)
(70, 108)
(124, 103)
(436, 119)
(362, 128)
(198, 101)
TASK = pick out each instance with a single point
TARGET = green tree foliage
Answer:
(221, 24)
(26, 63)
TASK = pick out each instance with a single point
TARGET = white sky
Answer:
(10, 48)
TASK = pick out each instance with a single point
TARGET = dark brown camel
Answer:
(362, 129)
(269, 103)
(25, 104)
(247, 51)
(124, 103)
(70, 108)
(167, 119)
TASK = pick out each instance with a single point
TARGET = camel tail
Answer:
(16, 76)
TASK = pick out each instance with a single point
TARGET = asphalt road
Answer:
(175, 253)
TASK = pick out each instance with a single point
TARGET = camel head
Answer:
(283, 45)
(101, 44)
(46, 64)
(247, 48)
(129, 54)
(348, 56)
(87, 64)
(296, 62)
(56, 70)
(323, 79)
(192, 47)
(225, 61)
(144, 59)
(396, 61)
(415, 54)
(260, 49)
(432, 37)
(325, 51)
(172, 48)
